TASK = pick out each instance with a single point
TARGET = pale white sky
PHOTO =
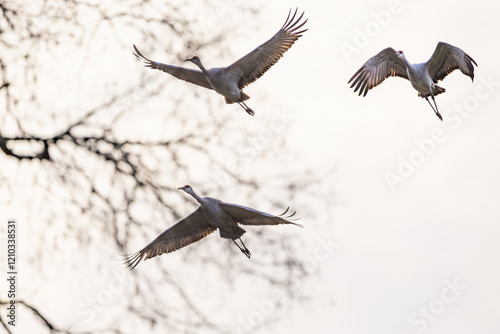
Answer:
(399, 245)
(421, 254)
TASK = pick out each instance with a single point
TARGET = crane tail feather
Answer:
(437, 90)
(243, 97)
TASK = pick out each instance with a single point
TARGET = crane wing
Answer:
(378, 68)
(248, 216)
(447, 58)
(189, 230)
(192, 76)
(256, 63)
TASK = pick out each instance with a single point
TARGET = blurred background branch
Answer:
(98, 145)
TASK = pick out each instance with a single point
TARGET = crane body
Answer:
(423, 76)
(212, 214)
(229, 81)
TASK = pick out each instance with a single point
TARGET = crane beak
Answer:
(180, 188)
(190, 59)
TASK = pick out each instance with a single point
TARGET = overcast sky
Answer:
(413, 244)
(402, 243)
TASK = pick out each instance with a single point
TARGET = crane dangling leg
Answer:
(244, 249)
(435, 110)
(247, 109)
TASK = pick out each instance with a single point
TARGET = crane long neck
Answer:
(198, 198)
(409, 66)
(200, 65)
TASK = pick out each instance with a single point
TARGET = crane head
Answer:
(194, 60)
(187, 188)
(400, 54)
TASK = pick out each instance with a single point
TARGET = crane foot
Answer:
(250, 112)
(243, 249)
(439, 115)
(246, 252)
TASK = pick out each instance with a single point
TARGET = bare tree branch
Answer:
(72, 115)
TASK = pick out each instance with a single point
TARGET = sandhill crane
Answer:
(423, 77)
(229, 81)
(212, 214)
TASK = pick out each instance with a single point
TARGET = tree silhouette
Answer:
(97, 150)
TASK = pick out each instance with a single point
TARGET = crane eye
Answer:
(400, 52)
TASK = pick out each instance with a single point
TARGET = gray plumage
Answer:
(423, 77)
(212, 214)
(229, 81)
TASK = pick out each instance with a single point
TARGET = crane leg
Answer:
(435, 109)
(247, 109)
(244, 249)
